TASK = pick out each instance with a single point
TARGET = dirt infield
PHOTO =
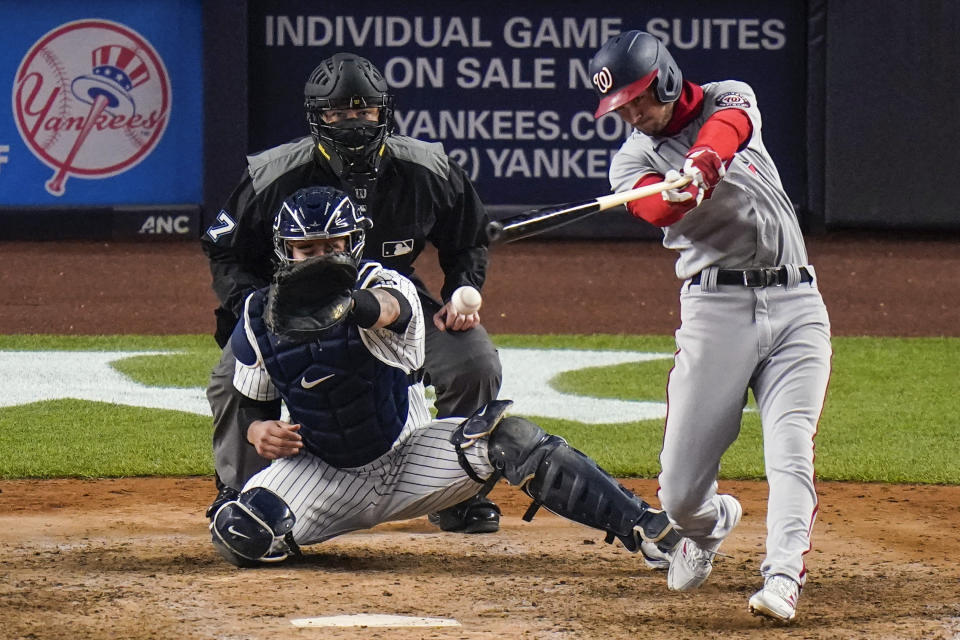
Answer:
(130, 558)
(873, 284)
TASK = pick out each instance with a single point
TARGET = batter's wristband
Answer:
(366, 308)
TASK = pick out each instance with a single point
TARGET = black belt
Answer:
(771, 277)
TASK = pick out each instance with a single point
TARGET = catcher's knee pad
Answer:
(480, 425)
(254, 528)
(572, 485)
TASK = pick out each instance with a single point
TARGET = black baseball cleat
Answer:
(226, 494)
(474, 515)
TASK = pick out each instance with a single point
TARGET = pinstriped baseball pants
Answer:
(419, 475)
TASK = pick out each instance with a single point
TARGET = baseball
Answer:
(466, 300)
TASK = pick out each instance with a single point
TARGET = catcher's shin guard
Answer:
(563, 479)
(253, 529)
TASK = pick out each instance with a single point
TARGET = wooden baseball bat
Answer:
(531, 223)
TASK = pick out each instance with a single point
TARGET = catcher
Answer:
(338, 339)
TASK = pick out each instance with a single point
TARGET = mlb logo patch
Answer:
(394, 248)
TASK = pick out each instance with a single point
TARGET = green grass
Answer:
(189, 369)
(74, 438)
(891, 413)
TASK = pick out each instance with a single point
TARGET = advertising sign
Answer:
(104, 103)
(505, 87)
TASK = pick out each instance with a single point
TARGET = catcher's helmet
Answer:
(348, 81)
(627, 64)
(319, 213)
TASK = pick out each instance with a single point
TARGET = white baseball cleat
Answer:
(653, 557)
(690, 565)
(777, 599)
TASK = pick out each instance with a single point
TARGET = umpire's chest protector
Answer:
(351, 405)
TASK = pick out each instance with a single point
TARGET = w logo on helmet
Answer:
(603, 79)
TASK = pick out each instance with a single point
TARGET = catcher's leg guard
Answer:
(253, 529)
(564, 480)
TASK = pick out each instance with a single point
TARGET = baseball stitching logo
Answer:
(603, 79)
(733, 99)
(397, 248)
(91, 98)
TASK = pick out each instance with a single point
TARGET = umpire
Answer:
(413, 193)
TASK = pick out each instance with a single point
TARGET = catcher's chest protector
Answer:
(351, 406)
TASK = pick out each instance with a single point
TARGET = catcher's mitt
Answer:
(310, 296)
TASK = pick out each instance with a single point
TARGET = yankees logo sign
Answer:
(603, 79)
(91, 99)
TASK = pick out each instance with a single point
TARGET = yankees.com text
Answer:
(520, 126)
(509, 125)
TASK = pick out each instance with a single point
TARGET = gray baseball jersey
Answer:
(772, 339)
(420, 474)
(748, 221)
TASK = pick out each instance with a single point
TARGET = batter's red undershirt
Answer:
(725, 132)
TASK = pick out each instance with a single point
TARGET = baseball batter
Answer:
(751, 314)
(337, 339)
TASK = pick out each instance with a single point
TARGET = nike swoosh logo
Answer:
(230, 529)
(311, 384)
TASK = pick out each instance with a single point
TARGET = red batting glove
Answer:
(705, 166)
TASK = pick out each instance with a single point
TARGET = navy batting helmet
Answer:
(348, 81)
(319, 213)
(627, 64)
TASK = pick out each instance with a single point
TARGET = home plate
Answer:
(374, 620)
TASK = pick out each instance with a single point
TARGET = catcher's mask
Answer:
(348, 81)
(319, 213)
